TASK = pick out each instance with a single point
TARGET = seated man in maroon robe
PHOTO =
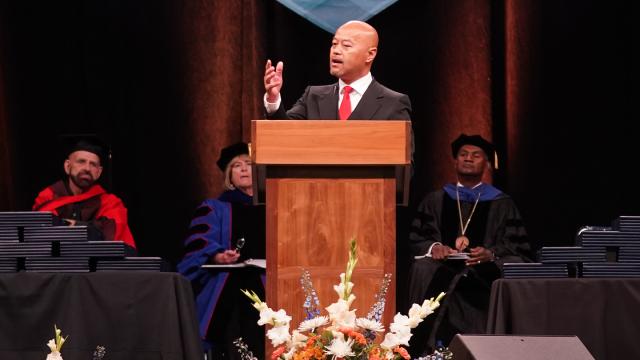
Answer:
(78, 200)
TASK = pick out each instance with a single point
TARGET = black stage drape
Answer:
(168, 83)
(134, 315)
(601, 312)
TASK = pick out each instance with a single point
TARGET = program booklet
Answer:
(458, 256)
(260, 263)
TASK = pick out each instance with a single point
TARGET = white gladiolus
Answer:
(399, 332)
(281, 317)
(260, 306)
(432, 304)
(339, 289)
(340, 315)
(52, 345)
(400, 323)
(350, 299)
(404, 337)
(266, 316)
(54, 355)
(346, 319)
(337, 308)
(298, 339)
(419, 311)
(279, 335)
(415, 315)
(414, 321)
(391, 340)
(55, 345)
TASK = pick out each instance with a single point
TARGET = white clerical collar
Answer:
(360, 85)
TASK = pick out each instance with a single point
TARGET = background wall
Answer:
(169, 83)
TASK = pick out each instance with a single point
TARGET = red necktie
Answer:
(345, 106)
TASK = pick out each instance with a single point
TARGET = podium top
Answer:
(331, 142)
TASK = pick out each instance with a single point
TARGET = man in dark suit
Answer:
(356, 95)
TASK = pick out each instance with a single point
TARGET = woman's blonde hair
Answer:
(228, 185)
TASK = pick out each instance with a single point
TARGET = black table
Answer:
(603, 313)
(135, 315)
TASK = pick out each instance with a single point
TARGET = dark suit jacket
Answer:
(321, 103)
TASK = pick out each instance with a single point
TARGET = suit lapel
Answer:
(369, 103)
(328, 103)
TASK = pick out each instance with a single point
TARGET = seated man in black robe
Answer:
(465, 218)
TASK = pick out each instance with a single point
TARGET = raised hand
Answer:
(273, 80)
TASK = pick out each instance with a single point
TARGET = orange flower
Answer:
(310, 352)
(311, 341)
(375, 354)
(358, 337)
(402, 352)
(303, 355)
(279, 351)
(318, 354)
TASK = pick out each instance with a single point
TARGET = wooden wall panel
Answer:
(312, 221)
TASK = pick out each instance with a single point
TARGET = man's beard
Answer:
(82, 183)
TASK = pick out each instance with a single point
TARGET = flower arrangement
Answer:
(55, 344)
(341, 335)
(99, 352)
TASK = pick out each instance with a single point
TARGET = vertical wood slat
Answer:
(309, 225)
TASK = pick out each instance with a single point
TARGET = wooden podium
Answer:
(325, 182)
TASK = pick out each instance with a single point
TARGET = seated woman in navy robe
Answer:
(227, 230)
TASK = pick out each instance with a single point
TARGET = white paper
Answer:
(260, 263)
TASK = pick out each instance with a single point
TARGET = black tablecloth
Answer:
(135, 315)
(603, 313)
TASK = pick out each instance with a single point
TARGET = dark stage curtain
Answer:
(6, 192)
(568, 101)
(6, 198)
(168, 83)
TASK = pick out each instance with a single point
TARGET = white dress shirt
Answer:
(359, 87)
